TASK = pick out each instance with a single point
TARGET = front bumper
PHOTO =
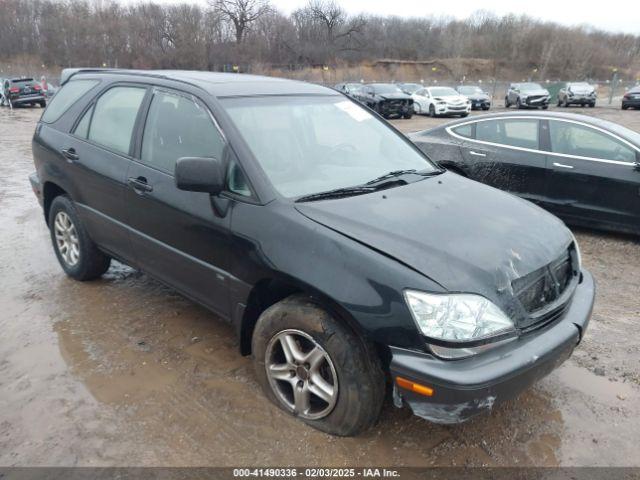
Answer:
(581, 100)
(452, 109)
(388, 108)
(465, 388)
(480, 104)
(536, 101)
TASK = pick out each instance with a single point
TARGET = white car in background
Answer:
(436, 101)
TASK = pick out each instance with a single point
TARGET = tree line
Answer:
(234, 34)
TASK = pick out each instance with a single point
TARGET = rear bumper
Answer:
(468, 387)
(30, 99)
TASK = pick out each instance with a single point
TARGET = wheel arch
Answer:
(50, 191)
(269, 291)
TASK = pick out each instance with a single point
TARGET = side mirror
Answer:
(195, 174)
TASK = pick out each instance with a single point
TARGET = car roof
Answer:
(586, 119)
(216, 83)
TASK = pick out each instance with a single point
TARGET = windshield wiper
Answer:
(399, 173)
(392, 174)
(337, 193)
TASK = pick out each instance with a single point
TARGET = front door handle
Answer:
(562, 165)
(70, 154)
(477, 154)
(139, 184)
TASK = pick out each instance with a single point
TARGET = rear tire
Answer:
(506, 102)
(358, 392)
(79, 257)
(43, 104)
(592, 104)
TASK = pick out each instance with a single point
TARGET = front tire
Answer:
(79, 257)
(432, 111)
(315, 368)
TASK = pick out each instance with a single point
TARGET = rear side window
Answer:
(464, 130)
(512, 132)
(176, 127)
(66, 97)
(82, 129)
(573, 139)
(114, 117)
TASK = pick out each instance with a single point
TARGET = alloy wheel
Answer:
(301, 374)
(66, 238)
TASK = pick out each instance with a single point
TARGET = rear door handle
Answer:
(477, 154)
(139, 184)
(70, 154)
(562, 165)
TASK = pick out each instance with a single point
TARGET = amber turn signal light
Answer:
(414, 387)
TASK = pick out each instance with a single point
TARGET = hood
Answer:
(478, 96)
(463, 235)
(537, 91)
(394, 96)
(453, 99)
(582, 90)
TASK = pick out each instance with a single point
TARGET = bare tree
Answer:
(242, 13)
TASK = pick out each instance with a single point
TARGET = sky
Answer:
(612, 15)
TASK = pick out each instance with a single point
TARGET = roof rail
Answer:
(67, 73)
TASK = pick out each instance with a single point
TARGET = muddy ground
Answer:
(123, 371)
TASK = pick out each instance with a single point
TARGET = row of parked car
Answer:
(402, 100)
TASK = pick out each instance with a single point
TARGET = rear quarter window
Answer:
(66, 97)
(464, 130)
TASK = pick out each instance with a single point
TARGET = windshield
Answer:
(308, 145)
(386, 88)
(442, 92)
(469, 90)
(411, 87)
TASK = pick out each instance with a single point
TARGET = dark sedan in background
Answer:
(478, 97)
(585, 170)
(22, 91)
(349, 88)
(631, 99)
(386, 99)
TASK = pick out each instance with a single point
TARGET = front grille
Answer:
(536, 98)
(540, 291)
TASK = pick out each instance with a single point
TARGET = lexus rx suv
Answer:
(347, 261)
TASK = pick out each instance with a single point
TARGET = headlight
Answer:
(457, 318)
